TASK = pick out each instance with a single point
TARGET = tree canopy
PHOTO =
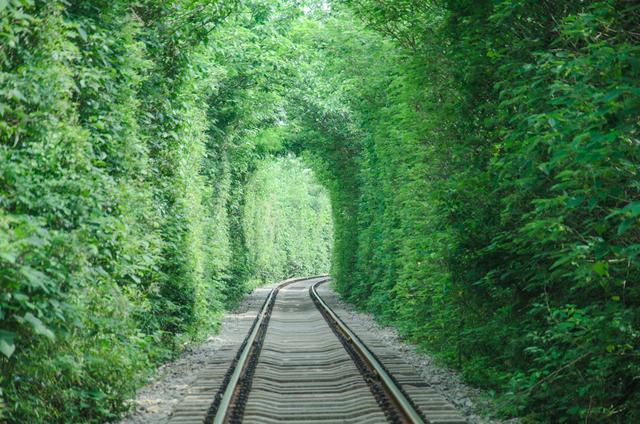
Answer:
(480, 158)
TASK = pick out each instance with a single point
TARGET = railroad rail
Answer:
(300, 362)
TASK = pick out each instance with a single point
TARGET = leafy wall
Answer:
(481, 158)
(287, 222)
(496, 195)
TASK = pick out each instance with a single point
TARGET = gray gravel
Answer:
(468, 400)
(155, 401)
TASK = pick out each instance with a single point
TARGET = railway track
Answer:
(301, 363)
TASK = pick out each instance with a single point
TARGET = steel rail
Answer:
(230, 390)
(394, 392)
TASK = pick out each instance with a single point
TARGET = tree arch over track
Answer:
(482, 162)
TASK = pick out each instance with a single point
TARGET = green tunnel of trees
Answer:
(480, 168)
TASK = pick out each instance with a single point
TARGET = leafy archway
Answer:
(481, 159)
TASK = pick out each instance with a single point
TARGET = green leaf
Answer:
(7, 347)
(39, 327)
(575, 201)
(632, 208)
(16, 94)
(601, 268)
(8, 257)
(626, 224)
(35, 277)
(20, 297)
(564, 259)
(83, 33)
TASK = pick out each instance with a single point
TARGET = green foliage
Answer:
(128, 133)
(104, 214)
(513, 128)
(481, 159)
(568, 178)
(287, 222)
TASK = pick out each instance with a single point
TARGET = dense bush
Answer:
(103, 211)
(287, 222)
(128, 133)
(481, 158)
(498, 205)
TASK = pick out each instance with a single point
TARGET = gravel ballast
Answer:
(156, 401)
(467, 400)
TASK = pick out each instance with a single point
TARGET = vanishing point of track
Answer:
(301, 363)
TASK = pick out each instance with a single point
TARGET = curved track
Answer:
(301, 363)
